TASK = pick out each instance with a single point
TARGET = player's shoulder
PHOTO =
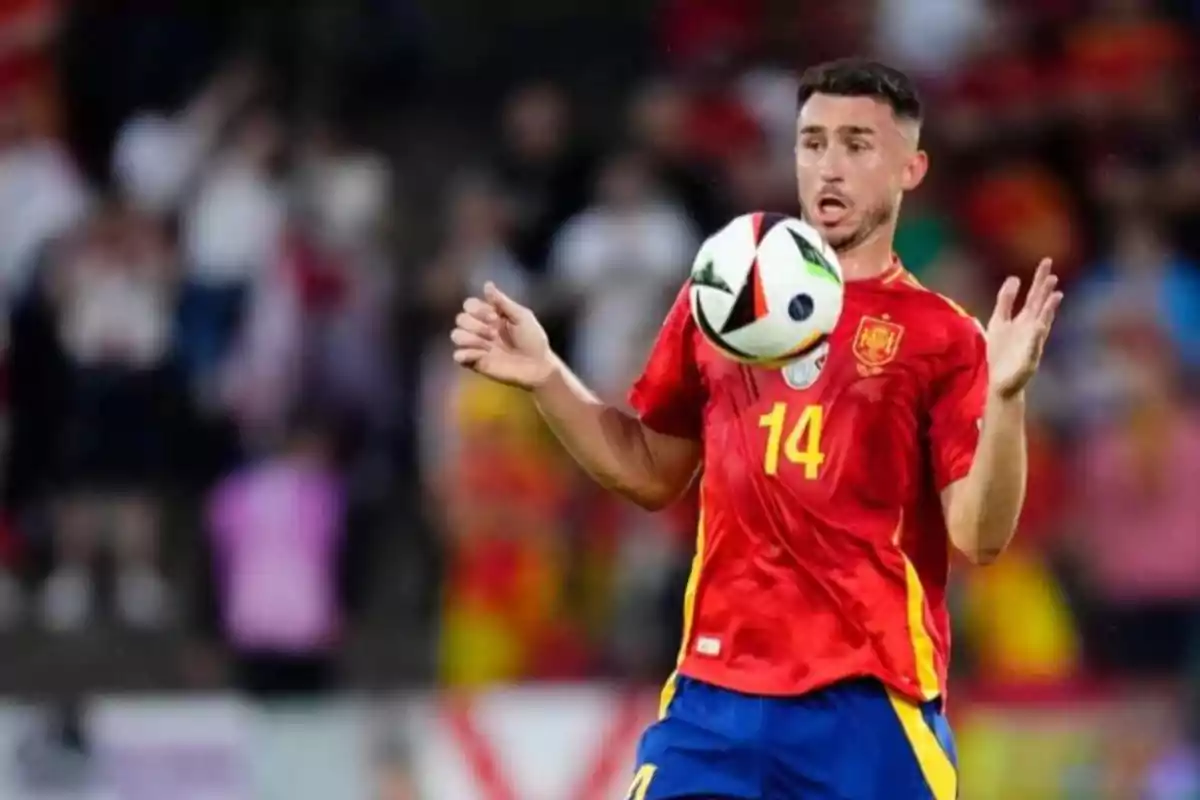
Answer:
(940, 316)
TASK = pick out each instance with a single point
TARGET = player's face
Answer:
(854, 160)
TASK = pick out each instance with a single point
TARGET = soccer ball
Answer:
(766, 289)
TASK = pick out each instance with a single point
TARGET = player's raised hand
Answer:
(1015, 341)
(501, 339)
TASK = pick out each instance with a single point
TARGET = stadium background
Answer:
(260, 539)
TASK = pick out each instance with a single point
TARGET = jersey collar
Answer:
(894, 271)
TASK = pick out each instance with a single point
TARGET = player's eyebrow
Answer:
(845, 130)
(856, 130)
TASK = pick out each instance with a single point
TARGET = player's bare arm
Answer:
(503, 340)
(982, 509)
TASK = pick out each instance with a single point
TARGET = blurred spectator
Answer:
(930, 37)
(316, 308)
(113, 291)
(157, 158)
(277, 531)
(647, 571)
(1181, 196)
(1019, 213)
(658, 119)
(502, 490)
(754, 182)
(37, 374)
(620, 262)
(720, 127)
(344, 278)
(232, 230)
(1003, 94)
(769, 94)
(261, 375)
(542, 167)
(1122, 49)
(27, 29)
(475, 248)
(41, 196)
(1045, 648)
(823, 32)
(345, 188)
(1142, 278)
(1137, 514)
(12, 600)
(692, 30)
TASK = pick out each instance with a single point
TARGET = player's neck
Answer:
(868, 260)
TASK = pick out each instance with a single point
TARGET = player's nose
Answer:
(831, 184)
(829, 169)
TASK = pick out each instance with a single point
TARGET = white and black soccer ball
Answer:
(766, 289)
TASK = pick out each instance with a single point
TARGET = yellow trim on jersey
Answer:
(962, 312)
(641, 782)
(911, 280)
(689, 612)
(924, 653)
(935, 763)
(895, 270)
(923, 650)
(667, 694)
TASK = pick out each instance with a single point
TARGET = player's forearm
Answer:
(984, 512)
(608, 443)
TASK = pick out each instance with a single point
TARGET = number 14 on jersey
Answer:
(796, 435)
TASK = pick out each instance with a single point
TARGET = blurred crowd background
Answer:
(233, 237)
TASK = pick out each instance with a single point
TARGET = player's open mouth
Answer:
(831, 210)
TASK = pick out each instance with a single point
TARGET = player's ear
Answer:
(914, 170)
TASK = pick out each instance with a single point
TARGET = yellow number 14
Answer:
(803, 443)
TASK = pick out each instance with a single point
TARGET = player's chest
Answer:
(851, 414)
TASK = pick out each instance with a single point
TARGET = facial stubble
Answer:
(874, 219)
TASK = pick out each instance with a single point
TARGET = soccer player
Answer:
(813, 663)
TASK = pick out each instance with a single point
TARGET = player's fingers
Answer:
(1049, 311)
(510, 309)
(481, 310)
(1044, 283)
(1043, 271)
(1045, 320)
(467, 339)
(1006, 298)
(468, 356)
(469, 322)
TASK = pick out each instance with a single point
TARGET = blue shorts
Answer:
(850, 741)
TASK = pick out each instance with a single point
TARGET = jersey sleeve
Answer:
(958, 398)
(669, 396)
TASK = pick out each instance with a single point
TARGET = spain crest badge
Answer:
(876, 343)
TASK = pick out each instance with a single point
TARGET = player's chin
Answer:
(841, 237)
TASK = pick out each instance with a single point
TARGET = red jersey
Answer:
(822, 551)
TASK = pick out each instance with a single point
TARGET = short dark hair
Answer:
(860, 77)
